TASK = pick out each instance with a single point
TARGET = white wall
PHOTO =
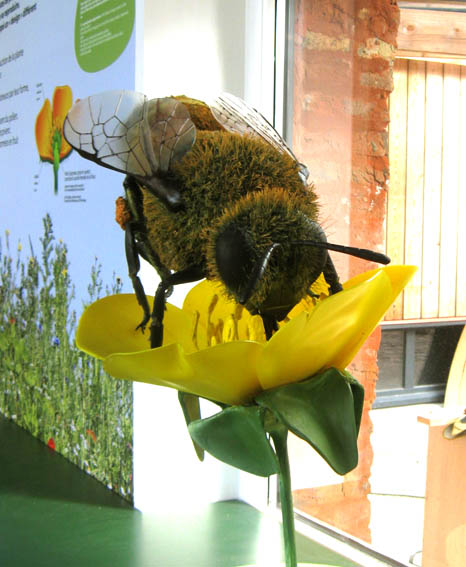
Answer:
(199, 49)
(194, 48)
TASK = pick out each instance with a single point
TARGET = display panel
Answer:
(60, 246)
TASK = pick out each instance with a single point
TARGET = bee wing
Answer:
(124, 131)
(235, 115)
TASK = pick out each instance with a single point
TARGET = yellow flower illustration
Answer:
(214, 349)
(51, 144)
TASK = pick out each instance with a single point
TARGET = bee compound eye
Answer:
(233, 258)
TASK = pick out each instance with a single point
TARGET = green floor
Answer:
(52, 514)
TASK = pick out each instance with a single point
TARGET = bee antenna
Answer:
(261, 265)
(258, 272)
(351, 250)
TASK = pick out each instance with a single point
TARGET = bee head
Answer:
(252, 253)
(268, 252)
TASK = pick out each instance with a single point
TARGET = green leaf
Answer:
(325, 411)
(237, 437)
(358, 396)
(191, 411)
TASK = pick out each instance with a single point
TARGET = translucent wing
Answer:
(237, 116)
(124, 131)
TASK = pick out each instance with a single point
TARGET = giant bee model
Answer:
(211, 192)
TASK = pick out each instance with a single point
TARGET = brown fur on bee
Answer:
(122, 212)
(252, 216)
(220, 170)
(200, 114)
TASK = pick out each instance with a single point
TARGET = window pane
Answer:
(390, 360)
(435, 347)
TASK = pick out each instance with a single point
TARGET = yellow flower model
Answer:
(296, 381)
(235, 371)
(51, 144)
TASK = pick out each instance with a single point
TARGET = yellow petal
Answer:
(399, 277)
(178, 327)
(62, 102)
(109, 325)
(333, 333)
(225, 373)
(43, 130)
(306, 304)
(219, 318)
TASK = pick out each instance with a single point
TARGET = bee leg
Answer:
(270, 325)
(191, 274)
(331, 276)
(132, 259)
(134, 202)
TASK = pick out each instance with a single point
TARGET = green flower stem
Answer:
(55, 176)
(279, 436)
(56, 144)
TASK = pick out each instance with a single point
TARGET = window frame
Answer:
(411, 394)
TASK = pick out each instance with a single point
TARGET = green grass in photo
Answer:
(48, 386)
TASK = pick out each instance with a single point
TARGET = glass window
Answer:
(434, 352)
(414, 363)
(390, 359)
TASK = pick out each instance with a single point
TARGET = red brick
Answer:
(343, 77)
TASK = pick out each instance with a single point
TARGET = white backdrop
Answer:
(198, 49)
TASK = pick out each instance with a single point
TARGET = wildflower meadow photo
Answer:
(48, 386)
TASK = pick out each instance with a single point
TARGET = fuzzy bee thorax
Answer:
(219, 171)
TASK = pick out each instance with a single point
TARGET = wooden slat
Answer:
(450, 188)
(415, 184)
(430, 56)
(441, 321)
(427, 196)
(461, 261)
(439, 32)
(397, 191)
(442, 4)
(432, 190)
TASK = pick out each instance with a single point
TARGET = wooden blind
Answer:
(426, 209)
(437, 32)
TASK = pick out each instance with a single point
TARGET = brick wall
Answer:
(342, 79)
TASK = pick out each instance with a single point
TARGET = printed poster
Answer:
(60, 245)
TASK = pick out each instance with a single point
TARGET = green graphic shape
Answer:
(102, 30)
